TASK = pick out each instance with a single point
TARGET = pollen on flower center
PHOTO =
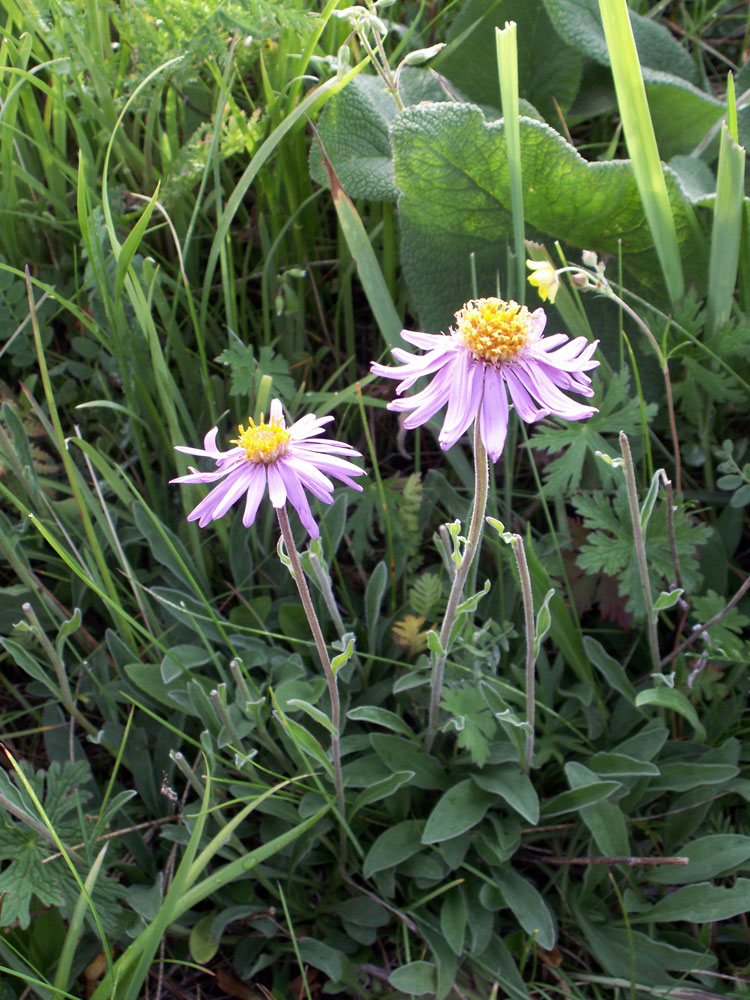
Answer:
(493, 329)
(263, 442)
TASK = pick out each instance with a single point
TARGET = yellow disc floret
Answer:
(263, 442)
(493, 329)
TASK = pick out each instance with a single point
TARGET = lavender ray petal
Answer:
(200, 477)
(494, 413)
(440, 386)
(310, 448)
(425, 341)
(521, 400)
(255, 490)
(336, 467)
(464, 400)
(408, 374)
(234, 487)
(542, 388)
(569, 381)
(205, 510)
(277, 412)
(309, 470)
(276, 486)
(550, 343)
(428, 407)
(309, 426)
(297, 497)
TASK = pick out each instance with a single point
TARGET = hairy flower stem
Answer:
(640, 550)
(528, 615)
(320, 645)
(481, 484)
(664, 365)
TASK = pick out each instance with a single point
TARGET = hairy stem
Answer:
(664, 363)
(640, 550)
(528, 615)
(320, 645)
(481, 483)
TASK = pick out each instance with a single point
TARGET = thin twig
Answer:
(172, 818)
(664, 364)
(481, 484)
(631, 862)
(711, 621)
(407, 921)
(320, 644)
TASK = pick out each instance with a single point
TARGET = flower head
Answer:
(544, 278)
(495, 350)
(286, 459)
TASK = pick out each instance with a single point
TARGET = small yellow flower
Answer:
(544, 277)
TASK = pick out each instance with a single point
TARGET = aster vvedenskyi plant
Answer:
(494, 356)
(288, 461)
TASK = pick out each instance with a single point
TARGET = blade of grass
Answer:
(641, 141)
(313, 102)
(507, 66)
(368, 268)
(726, 231)
(65, 962)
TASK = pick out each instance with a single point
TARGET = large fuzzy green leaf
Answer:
(354, 133)
(451, 167)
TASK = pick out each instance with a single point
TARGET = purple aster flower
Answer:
(286, 459)
(496, 350)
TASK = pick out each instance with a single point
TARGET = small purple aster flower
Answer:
(496, 350)
(285, 459)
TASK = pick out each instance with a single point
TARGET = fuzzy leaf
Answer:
(457, 810)
(354, 132)
(441, 148)
(702, 904)
(477, 723)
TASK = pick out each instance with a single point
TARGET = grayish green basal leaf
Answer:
(451, 168)
(615, 948)
(711, 856)
(459, 809)
(702, 904)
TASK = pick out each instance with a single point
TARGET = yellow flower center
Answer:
(263, 442)
(493, 329)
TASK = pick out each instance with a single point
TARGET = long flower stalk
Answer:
(320, 645)
(481, 484)
(640, 550)
(528, 615)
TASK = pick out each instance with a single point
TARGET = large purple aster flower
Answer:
(496, 350)
(286, 459)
